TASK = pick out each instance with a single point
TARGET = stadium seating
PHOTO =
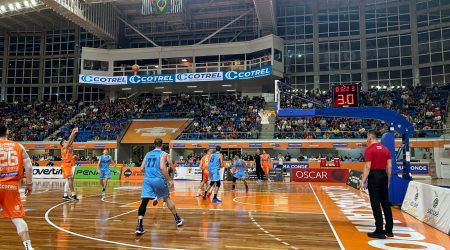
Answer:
(36, 121)
(424, 107)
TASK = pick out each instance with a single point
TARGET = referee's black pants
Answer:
(259, 173)
(379, 198)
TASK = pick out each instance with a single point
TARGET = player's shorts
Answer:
(205, 175)
(67, 171)
(214, 175)
(266, 169)
(105, 174)
(10, 203)
(154, 188)
(239, 175)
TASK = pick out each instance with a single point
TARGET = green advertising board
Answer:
(91, 173)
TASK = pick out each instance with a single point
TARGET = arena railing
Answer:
(431, 133)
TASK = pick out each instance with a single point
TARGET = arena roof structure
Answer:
(120, 21)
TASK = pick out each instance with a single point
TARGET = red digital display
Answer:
(346, 96)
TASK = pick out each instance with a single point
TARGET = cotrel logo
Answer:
(109, 80)
(192, 77)
(135, 79)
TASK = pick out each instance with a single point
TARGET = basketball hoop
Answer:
(264, 116)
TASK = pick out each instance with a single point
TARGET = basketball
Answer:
(135, 68)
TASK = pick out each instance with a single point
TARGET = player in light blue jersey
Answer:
(239, 171)
(214, 166)
(156, 183)
(104, 162)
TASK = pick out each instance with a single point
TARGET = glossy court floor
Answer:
(276, 216)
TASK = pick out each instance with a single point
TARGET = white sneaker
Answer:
(103, 195)
(164, 204)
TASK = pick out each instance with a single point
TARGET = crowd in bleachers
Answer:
(222, 117)
(36, 121)
(105, 120)
(424, 107)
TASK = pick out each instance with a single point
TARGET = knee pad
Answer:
(20, 224)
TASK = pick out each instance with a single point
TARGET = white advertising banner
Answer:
(104, 80)
(192, 173)
(47, 173)
(429, 204)
(199, 77)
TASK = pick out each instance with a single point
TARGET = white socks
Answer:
(66, 187)
(27, 245)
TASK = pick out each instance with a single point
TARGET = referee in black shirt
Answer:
(259, 170)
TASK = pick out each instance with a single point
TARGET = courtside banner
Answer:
(91, 173)
(416, 167)
(429, 204)
(289, 165)
(319, 175)
(47, 173)
(132, 174)
(355, 178)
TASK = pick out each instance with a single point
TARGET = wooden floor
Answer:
(276, 216)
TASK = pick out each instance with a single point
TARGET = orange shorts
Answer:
(10, 202)
(67, 171)
(205, 175)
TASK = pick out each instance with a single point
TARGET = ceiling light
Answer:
(191, 86)
(3, 8)
(184, 60)
(231, 90)
(167, 92)
(227, 85)
(18, 6)
(156, 66)
(33, 2)
(198, 91)
(11, 7)
(26, 3)
(159, 87)
(125, 89)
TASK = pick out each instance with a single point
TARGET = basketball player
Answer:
(205, 172)
(240, 171)
(68, 162)
(214, 166)
(103, 169)
(156, 183)
(13, 161)
(266, 164)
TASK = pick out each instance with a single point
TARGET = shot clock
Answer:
(345, 96)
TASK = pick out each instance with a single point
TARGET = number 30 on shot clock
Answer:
(345, 95)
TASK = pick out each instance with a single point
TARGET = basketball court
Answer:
(275, 216)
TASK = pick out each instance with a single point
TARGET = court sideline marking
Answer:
(328, 219)
(268, 233)
(93, 238)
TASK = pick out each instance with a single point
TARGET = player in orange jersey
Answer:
(68, 162)
(13, 161)
(205, 172)
(266, 164)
